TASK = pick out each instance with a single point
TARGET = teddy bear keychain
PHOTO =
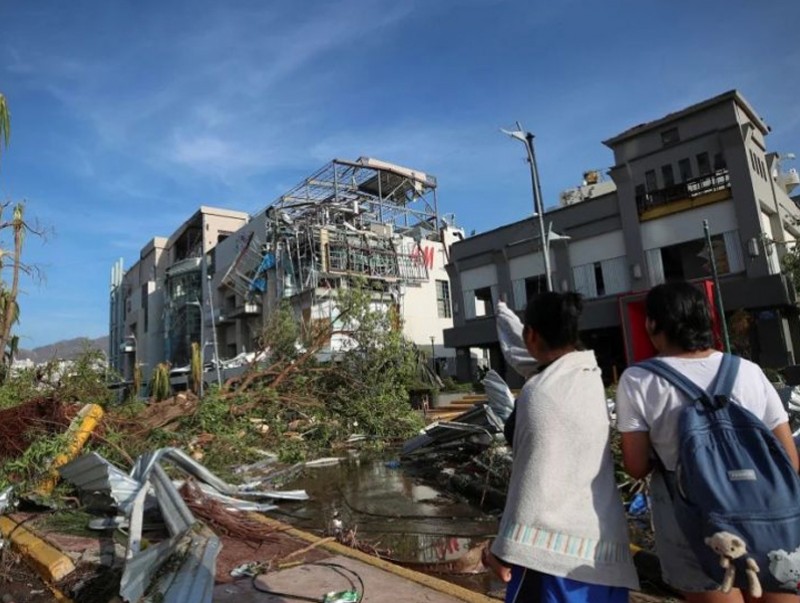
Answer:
(730, 548)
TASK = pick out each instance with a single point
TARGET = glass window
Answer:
(703, 164)
(145, 307)
(719, 162)
(443, 305)
(598, 279)
(685, 169)
(484, 305)
(534, 286)
(650, 180)
(668, 175)
(670, 136)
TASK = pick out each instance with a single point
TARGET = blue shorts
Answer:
(530, 586)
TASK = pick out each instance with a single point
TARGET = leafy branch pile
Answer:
(36, 407)
(294, 405)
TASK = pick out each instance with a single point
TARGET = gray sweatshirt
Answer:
(564, 515)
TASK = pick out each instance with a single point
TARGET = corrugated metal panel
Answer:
(6, 499)
(141, 569)
(194, 580)
(93, 473)
(175, 512)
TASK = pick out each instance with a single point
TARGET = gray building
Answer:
(643, 227)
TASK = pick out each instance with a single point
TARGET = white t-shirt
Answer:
(646, 402)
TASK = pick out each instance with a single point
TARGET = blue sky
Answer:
(128, 115)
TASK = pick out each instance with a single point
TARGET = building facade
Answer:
(645, 227)
(220, 275)
(365, 219)
(158, 304)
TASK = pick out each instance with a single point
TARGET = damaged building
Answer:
(218, 277)
(366, 218)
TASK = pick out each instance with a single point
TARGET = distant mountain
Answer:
(65, 350)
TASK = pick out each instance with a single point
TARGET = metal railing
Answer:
(696, 187)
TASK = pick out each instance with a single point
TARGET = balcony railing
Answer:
(691, 189)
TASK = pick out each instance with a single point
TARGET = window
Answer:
(670, 136)
(640, 192)
(535, 286)
(598, 279)
(703, 164)
(483, 302)
(145, 307)
(443, 306)
(650, 180)
(668, 176)
(719, 162)
(690, 260)
(606, 277)
(685, 169)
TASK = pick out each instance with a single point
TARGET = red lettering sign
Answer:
(424, 255)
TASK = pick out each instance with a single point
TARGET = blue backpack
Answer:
(735, 493)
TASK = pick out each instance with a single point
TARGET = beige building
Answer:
(158, 305)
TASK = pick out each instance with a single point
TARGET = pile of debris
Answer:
(192, 546)
(184, 518)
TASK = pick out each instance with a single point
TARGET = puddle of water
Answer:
(395, 511)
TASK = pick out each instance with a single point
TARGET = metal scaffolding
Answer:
(352, 218)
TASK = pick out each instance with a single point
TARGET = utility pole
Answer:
(717, 291)
(538, 206)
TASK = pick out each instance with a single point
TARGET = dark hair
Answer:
(554, 316)
(679, 311)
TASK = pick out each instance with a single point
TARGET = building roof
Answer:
(730, 95)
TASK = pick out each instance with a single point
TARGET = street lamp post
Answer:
(433, 354)
(538, 206)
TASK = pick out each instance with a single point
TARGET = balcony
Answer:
(696, 192)
(244, 310)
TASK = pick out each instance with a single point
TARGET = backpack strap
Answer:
(677, 380)
(673, 377)
(722, 385)
(719, 391)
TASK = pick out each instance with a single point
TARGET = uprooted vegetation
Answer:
(293, 405)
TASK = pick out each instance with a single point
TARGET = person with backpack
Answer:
(725, 494)
(563, 537)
